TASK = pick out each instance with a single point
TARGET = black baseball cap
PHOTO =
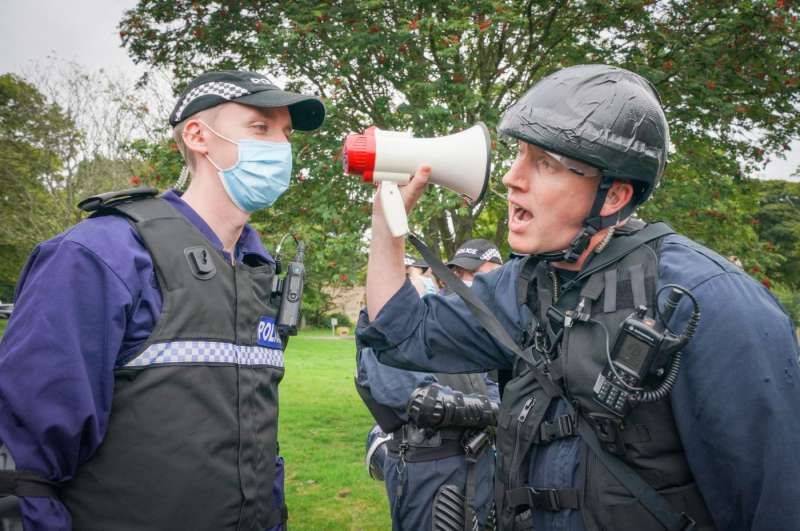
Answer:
(474, 253)
(248, 88)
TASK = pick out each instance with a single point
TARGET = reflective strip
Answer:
(207, 352)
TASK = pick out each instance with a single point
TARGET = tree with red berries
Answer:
(728, 73)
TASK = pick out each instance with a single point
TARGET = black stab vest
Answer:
(648, 439)
(192, 435)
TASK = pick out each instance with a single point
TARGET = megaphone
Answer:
(460, 162)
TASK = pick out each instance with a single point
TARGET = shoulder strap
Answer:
(137, 209)
(98, 202)
(621, 246)
(652, 501)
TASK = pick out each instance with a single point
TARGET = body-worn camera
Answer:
(289, 289)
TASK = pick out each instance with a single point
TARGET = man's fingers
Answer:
(414, 189)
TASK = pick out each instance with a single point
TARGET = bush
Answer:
(790, 299)
(323, 320)
(342, 320)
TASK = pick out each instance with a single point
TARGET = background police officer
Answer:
(473, 257)
(712, 439)
(133, 374)
(426, 482)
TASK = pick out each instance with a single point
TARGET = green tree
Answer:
(58, 146)
(33, 132)
(724, 69)
(778, 224)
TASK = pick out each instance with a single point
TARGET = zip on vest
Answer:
(521, 418)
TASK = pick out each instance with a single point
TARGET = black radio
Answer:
(645, 349)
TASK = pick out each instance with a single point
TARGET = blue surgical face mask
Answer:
(261, 174)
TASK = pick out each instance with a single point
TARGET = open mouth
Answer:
(520, 215)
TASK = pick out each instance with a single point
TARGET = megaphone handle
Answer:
(394, 210)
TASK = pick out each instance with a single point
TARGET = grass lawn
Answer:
(323, 426)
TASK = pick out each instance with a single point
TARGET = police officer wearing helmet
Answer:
(438, 475)
(702, 436)
(140, 369)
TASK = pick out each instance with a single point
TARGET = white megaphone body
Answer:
(460, 162)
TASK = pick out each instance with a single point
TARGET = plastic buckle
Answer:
(566, 426)
(608, 429)
(545, 499)
(559, 428)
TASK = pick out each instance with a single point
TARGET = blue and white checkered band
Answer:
(491, 253)
(207, 352)
(214, 88)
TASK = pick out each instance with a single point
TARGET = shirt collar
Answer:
(248, 243)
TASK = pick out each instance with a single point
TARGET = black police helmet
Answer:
(605, 116)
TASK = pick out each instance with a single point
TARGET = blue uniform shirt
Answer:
(86, 300)
(392, 387)
(736, 402)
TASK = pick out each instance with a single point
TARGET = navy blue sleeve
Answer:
(56, 367)
(737, 399)
(389, 386)
(440, 334)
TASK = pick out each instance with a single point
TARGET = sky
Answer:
(85, 31)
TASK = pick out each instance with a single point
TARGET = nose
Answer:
(278, 136)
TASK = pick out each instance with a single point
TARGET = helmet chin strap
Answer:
(593, 223)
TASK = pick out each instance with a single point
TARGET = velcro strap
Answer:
(543, 499)
(563, 426)
(26, 484)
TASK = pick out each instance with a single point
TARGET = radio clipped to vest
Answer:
(645, 350)
(289, 288)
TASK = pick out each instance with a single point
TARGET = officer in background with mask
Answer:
(139, 372)
(420, 276)
(656, 385)
(432, 480)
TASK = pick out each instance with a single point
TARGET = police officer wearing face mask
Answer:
(438, 475)
(139, 377)
(655, 384)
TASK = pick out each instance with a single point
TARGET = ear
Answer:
(195, 138)
(619, 195)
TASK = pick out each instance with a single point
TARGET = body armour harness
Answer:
(646, 439)
(640, 452)
(191, 441)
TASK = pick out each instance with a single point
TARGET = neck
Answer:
(208, 198)
(596, 240)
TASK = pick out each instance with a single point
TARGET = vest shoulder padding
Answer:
(98, 202)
